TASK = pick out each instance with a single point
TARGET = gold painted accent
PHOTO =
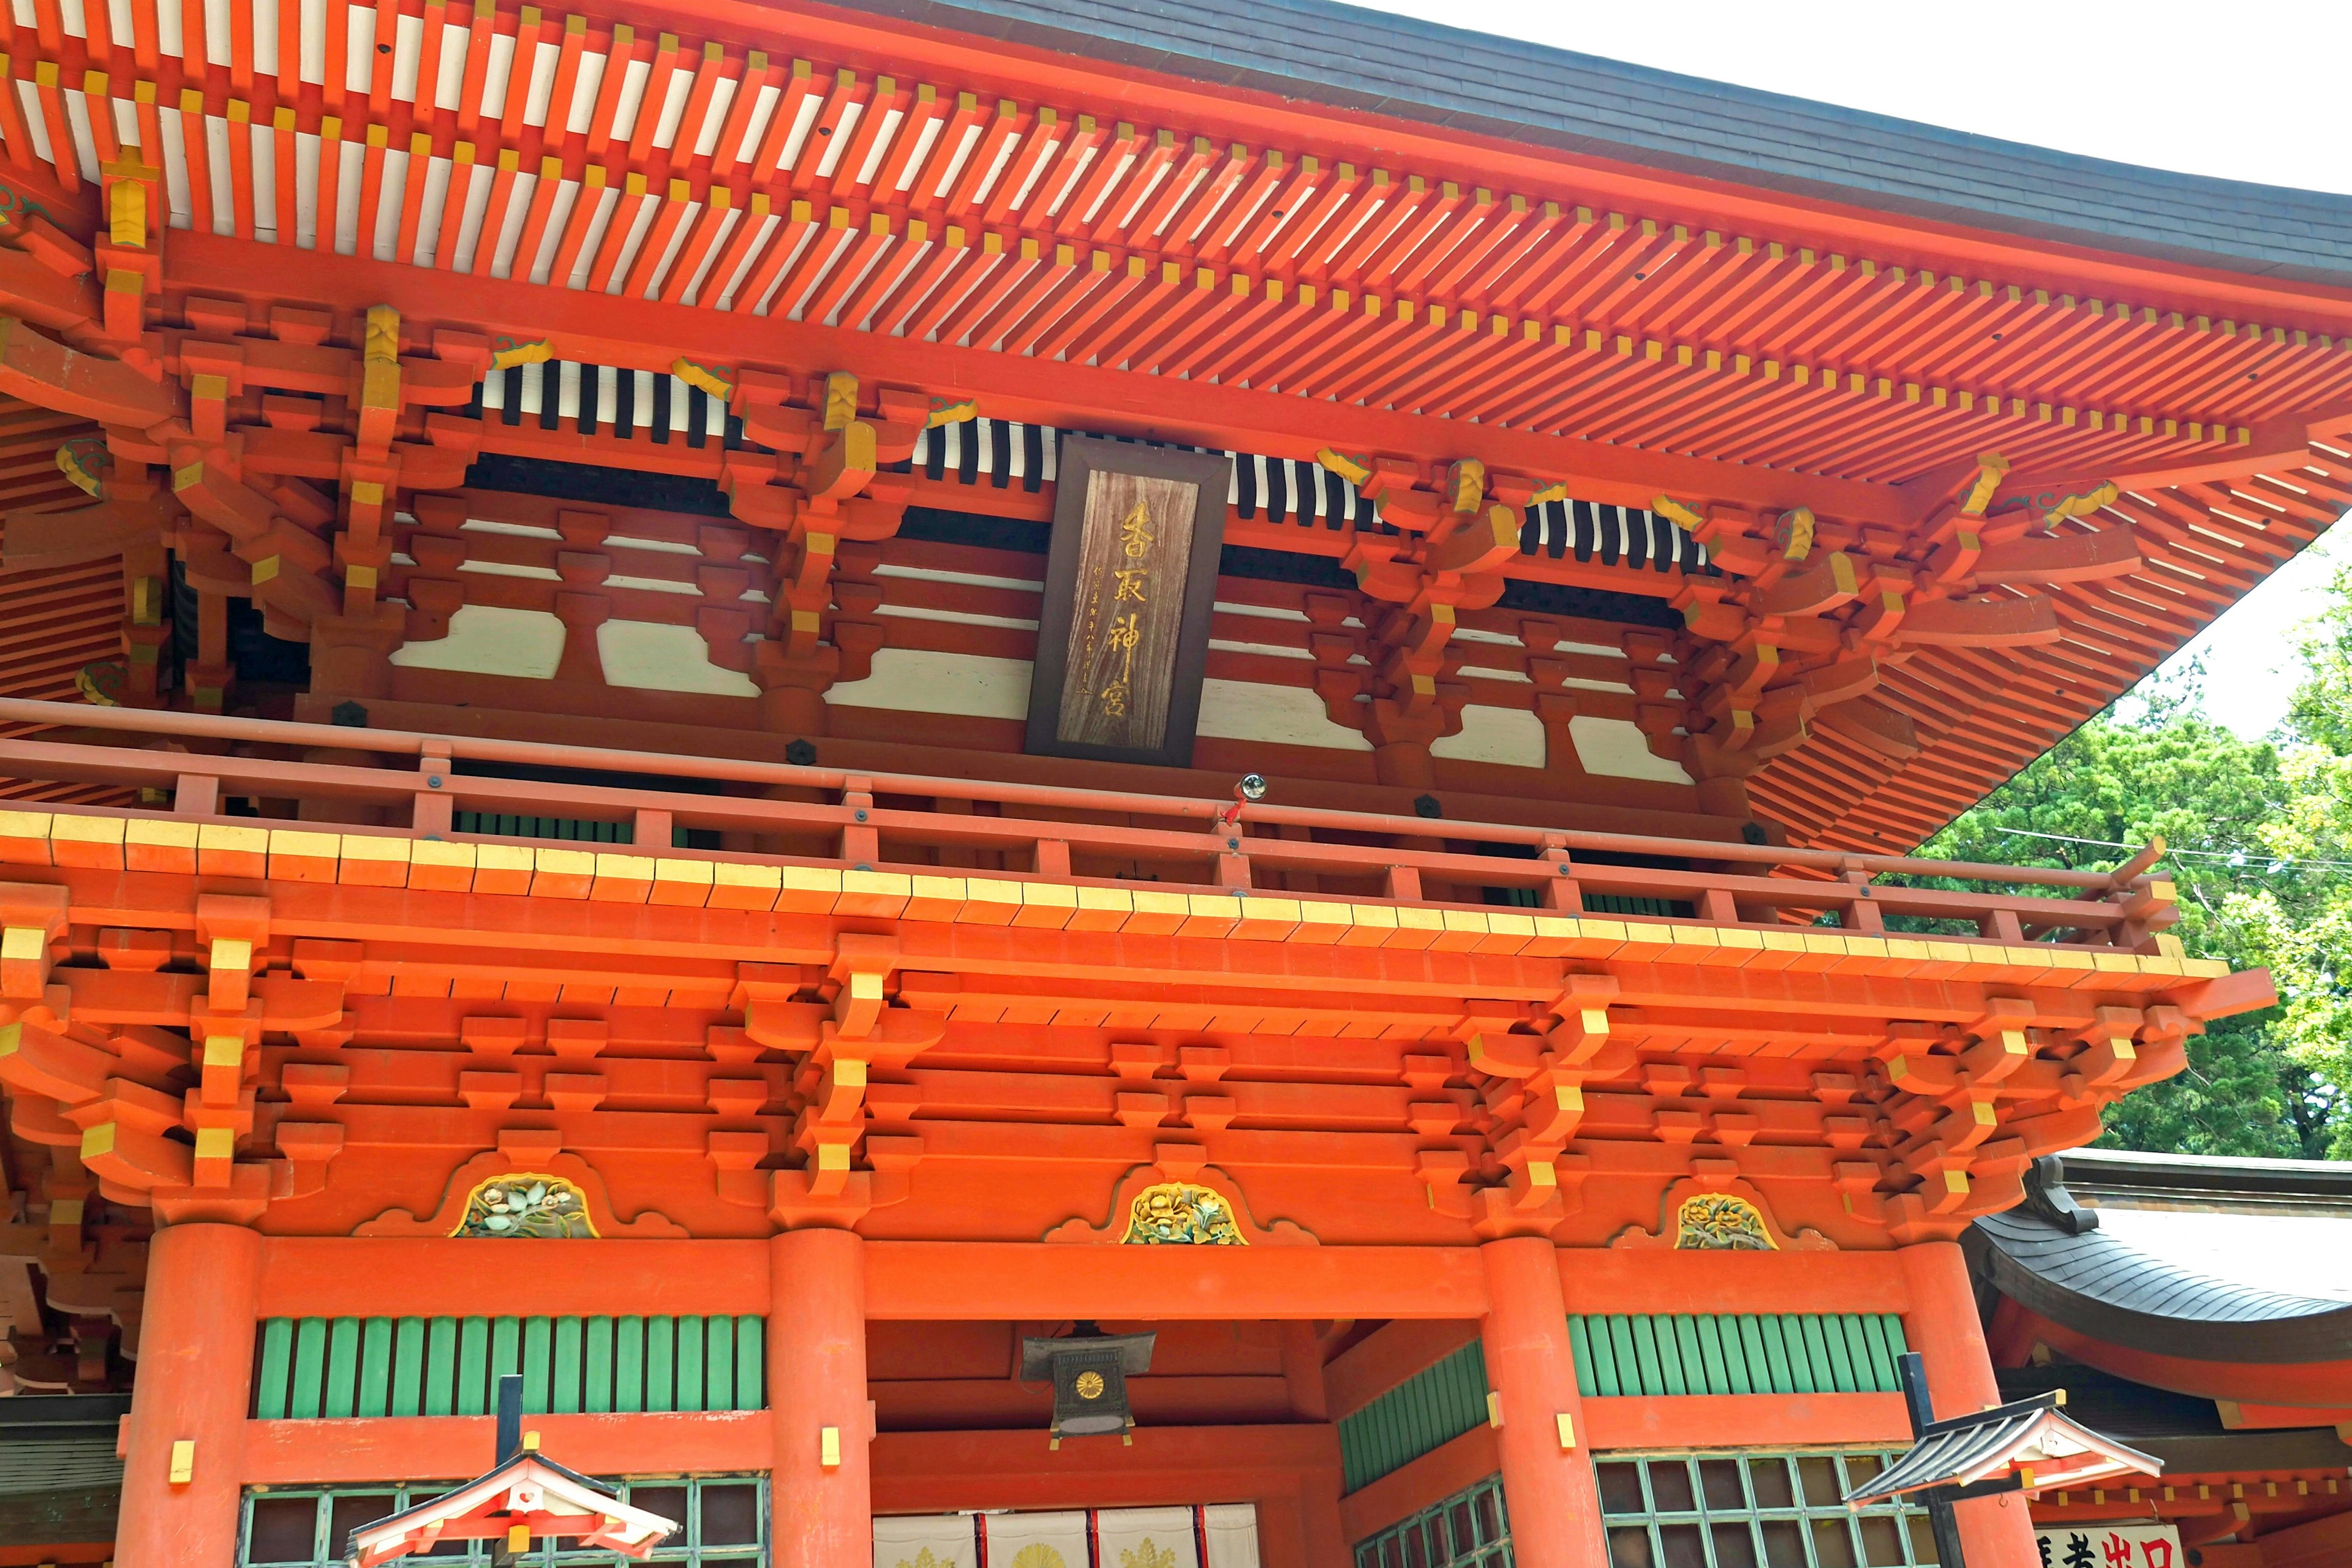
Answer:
(712, 379)
(1037, 1555)
(828, 1444)
(508, 354)
(1180, 1213)
(126, 213)
(1146, 1555)
(1717, 1222)
(523, 1204)
(1088, 1386)
(184, 1461)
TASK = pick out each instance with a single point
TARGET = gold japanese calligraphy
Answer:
(1134, 559)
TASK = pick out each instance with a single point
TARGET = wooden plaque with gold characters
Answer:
(1129, 588)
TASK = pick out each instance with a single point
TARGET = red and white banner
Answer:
(2110, 1546)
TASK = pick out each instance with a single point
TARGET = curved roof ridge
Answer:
(1352, 58)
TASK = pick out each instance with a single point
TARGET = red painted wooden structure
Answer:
(555, 554)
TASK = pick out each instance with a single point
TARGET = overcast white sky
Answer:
(2243, 91)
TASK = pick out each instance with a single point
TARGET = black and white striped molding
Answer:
(631, 405)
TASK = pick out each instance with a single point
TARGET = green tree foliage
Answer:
(2244, 820)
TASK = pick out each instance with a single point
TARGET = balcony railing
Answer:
(401, 785)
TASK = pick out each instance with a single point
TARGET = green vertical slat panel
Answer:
(1710, 1355)
(751, 1363)
(1645, 1355)
(376, 1366)
(1775, 1353)
(1895, 1343)
(1833, 1338)
(661, 1364)
(1882, 1360)
(1735, 1378)
(473, 1365)
(1580, 1350)
(506, 1355)
(537, 1362)
(1801, 1371)
(309, 1384)
(629, 1365)
(1628, 1363)
(1605, 1375)
(407, 1367)
(1857, 1351)
(441, 1366)
(596, 1385)
(689, 1364)
(563, 1380)
(1822, 1358)
(1695, 1376)
(342, 1368)
(1669, 1354)
(718, 1364)
(277, 1367)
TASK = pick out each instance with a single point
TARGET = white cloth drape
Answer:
(1146, 1538)
(1231, 1532)
(1037, 1540)
(925, 1540)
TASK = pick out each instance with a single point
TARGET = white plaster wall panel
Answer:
(486, 640)
(1616, 748)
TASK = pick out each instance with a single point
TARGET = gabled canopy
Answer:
(529, 1491)
(2033, 1438)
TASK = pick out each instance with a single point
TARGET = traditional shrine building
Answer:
(755, 709)
(2200, 1310)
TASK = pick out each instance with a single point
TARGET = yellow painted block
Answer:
(1415, 927)
(160, 844)
(1694, 936)
(231, 850)
(2113, 962)
(1555, 936)
(1869, 947)
(232, 953)
(1507, 932)
(618, 879)
(370, 860)
(1322, 922)
(934, 897)
(684, 884)
(990, 901)
(2206, 968)
(24, 837)
(1266, 918)
(1211, 915)
(1045, 906)
(1157, 913)
(876, 895)
(299, 856)
(562, 873)
(1459, 931)
(183, 1462)
(93, 842)
(737, 886)
(1369, 925)
(808, 889)
(438, 866)
(1648, 933)
(1102, 908)
(504, 869)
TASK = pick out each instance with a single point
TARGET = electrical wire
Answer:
(2236, 859)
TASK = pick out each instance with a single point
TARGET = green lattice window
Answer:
(329, 1367)
(725, 1518)
(1752, 1510)
(1469, 1530)
(1628, 1353)
(1424, 1412)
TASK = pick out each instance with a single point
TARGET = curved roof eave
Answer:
(1369, 61)
(2050, 1256)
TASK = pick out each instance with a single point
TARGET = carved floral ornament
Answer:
(526, 1205)
(1718, 1212)
(1179, 1214)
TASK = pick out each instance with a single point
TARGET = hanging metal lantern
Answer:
(1089, 1370)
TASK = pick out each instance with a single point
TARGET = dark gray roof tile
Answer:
(1362, 60)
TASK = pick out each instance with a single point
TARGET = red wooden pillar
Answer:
(1547, 1480)
(822, 1497)
(194, 1386)
(1995, 1533)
